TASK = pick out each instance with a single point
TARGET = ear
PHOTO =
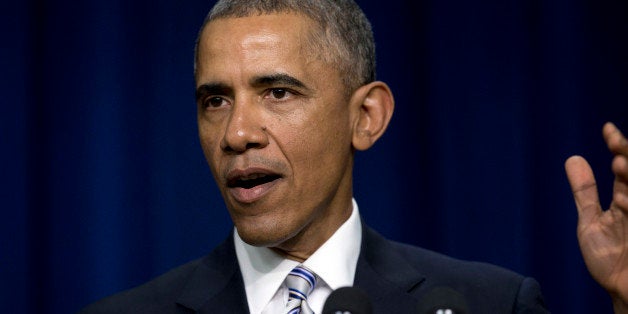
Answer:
(372, 105)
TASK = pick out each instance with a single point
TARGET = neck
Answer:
(301, 246)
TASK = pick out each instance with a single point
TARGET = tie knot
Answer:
(301, 281)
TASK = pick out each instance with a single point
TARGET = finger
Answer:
(620, 186)
(616, 141)
(620, 168)
(584, 189)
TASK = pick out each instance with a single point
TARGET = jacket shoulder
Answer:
(450, 270)
(155, 296)
(487, 288)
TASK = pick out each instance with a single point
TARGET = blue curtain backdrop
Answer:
(104, 185)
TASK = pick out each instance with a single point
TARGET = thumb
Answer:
(584, 189)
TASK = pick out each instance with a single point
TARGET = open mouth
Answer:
(252, 180)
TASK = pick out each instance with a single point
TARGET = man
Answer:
(286, 94)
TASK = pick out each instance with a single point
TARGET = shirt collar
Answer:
(263, 270)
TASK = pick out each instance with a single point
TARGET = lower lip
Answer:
(253, 194)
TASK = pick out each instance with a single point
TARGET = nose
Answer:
(245, 129)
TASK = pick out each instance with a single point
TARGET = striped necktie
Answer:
(301, 281)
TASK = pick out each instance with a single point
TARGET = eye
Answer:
(279, 93)
(214, 102)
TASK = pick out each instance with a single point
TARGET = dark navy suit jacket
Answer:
(394, 275)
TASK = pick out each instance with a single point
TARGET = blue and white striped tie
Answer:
(301, 281)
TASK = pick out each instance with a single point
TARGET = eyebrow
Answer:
(277, 79)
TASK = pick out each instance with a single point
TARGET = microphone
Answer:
(348, 300)
(442, 300)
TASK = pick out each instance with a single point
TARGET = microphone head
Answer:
(442, 300)
(348, 300)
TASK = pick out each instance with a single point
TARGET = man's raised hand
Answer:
(603, 234)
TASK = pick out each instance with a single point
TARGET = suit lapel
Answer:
(385, 275)
(216, 285)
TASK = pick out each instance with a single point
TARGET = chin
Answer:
(262, 235)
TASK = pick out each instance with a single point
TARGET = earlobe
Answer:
(373, 104)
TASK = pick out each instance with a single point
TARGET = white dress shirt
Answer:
(334, 262)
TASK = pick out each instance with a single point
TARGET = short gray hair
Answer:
(344, 39)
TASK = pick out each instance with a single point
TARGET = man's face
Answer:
(275, 127)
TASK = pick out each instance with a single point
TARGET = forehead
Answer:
(285, 23)
(235, 51)
(255, 40)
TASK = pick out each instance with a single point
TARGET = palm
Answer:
(604, 245)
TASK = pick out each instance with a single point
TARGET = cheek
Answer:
(210, 143)
(320, 143)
